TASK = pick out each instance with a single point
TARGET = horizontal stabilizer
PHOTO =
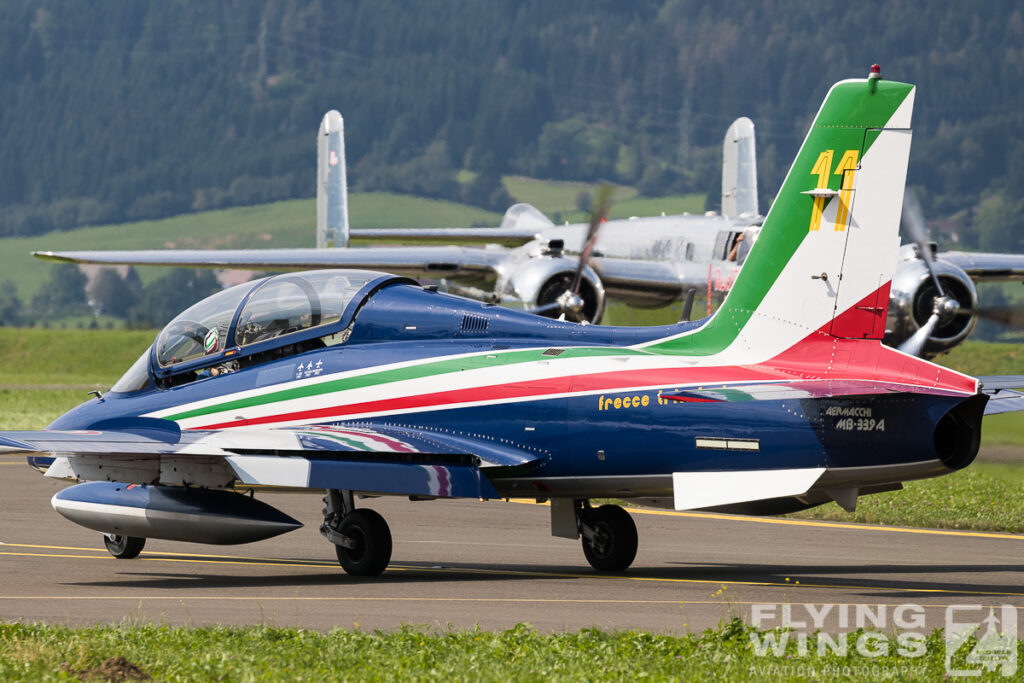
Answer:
(991, 383)
(787, 390)
(1002, 394)
(697, 490)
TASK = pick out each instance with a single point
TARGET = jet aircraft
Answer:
(363, 383)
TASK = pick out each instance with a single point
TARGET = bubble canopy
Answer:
(263, 314)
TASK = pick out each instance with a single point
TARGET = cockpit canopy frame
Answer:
(256, 317)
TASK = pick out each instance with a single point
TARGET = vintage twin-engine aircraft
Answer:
(358, 383)
(645, 262)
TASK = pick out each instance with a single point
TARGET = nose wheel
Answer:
(609, 537)
(124, 547)
(361, 538)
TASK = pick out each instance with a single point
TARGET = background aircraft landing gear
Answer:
(124, 547)
(361, 538)
(608, 535)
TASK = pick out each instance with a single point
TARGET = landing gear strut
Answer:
(124, 547)
(608, 535)
(361, 538)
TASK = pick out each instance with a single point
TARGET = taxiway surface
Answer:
(467, 563)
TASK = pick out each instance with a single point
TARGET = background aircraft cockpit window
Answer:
(201, 330)
(291, 303)
(136, 377)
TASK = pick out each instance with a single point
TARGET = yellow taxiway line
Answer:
(97, 554)
(847, 526)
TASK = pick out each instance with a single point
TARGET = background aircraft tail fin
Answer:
(827, 250)
(331, 183)
(739, 170)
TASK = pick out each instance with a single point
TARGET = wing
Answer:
(632, 281)
(648, 283)
(447, 235)
(987, 267)
(1002, 397)
(378, 459)
(427, 261)
(521, 223)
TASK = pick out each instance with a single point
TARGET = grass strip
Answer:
(982, 497)
(733, 651)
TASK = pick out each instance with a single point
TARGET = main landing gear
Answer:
(124, 547)
(608, 535)
(361, 538)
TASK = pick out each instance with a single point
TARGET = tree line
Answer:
(110, 296)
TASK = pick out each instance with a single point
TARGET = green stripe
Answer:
(426, 369)
(843, 123)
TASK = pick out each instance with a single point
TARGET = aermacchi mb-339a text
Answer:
(362, 383)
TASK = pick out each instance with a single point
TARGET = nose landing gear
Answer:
(123, 547)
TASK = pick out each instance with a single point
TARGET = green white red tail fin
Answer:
(827, 249)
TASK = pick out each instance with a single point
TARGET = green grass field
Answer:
(282, 224)
(728, 653)
(293, 224)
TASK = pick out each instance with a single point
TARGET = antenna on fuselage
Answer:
(331, 183)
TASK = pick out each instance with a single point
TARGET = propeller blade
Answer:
(602, 203)
(917, 231)
(688, 306)
(915, 344)
(537, 310)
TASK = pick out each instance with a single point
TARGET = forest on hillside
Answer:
(114, 111)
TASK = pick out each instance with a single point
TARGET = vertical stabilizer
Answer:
(331, 184)
(739, 170)
(827, 250)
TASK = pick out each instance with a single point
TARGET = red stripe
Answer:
(539, 388)
(818, 356)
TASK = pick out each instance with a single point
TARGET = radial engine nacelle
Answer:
(541, 285)
(913, 297)
(173, 513)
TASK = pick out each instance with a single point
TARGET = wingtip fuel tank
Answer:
(172, 513)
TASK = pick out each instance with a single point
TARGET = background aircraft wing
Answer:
(987, 267)
(515, 235)
(378, 459)
(521, 223)
(426, 261)
(642, 282)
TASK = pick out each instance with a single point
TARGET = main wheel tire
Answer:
(614, 545)
(372, 539)
(124, 547)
